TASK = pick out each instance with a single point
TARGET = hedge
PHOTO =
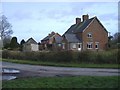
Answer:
(66, 56)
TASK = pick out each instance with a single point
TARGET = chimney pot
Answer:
(85, 17)
(78, 20)
(52, 32)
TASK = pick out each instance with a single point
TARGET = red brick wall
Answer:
(98, 35)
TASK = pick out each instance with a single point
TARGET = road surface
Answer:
(50, 71)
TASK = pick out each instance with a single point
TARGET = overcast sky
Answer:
(38, 19)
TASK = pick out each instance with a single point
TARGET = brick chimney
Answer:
(85, 17)
(78, 20)
(51, 34)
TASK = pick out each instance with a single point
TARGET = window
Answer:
(96, 45)
(89, 45)
(74, 45)
(89, 35)
(79, 46)
(59, 45)
(63, 45)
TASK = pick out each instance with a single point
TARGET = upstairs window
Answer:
(89, 35)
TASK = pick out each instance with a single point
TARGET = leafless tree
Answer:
(5, 27)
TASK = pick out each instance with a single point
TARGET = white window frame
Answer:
(79, 45)
(74, 46)
(97, 43)
(90, 45)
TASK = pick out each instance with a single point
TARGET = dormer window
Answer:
(89, 35)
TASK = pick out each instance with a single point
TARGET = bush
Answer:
(83, 56)
(66, 56)
(12, 54)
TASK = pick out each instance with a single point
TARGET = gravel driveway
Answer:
(50, 71)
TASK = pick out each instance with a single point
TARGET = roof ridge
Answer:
(30, 39)
(69, 29)
(79, 27)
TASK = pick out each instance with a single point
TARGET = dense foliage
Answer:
(114, 41)
(12, 45)
(66, 56)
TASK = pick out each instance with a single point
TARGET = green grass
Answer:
(82, 65)
(64, 82)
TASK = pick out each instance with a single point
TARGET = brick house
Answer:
(88, 34)
(52, 41)
(30, 45)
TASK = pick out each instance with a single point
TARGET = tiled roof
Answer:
(58, 39)
(78, 27)
(30, 41)
(71, 38)
(48, 37)
(81, 27)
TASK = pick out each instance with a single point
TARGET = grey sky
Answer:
(38, 19)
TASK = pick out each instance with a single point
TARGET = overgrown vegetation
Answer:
(12, 45)
(69, 64)
(104, 57)
(114, 41)
(64, 82)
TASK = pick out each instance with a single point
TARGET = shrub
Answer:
(12, 54)
(84, 56)
(63, 56)
(66, 56)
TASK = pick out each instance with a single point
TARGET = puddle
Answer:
(8, 77)
(43, 70)
(9, 73)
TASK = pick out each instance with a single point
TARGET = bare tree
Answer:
(5, 27)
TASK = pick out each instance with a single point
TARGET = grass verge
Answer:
(81, 65)
(64, 82)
